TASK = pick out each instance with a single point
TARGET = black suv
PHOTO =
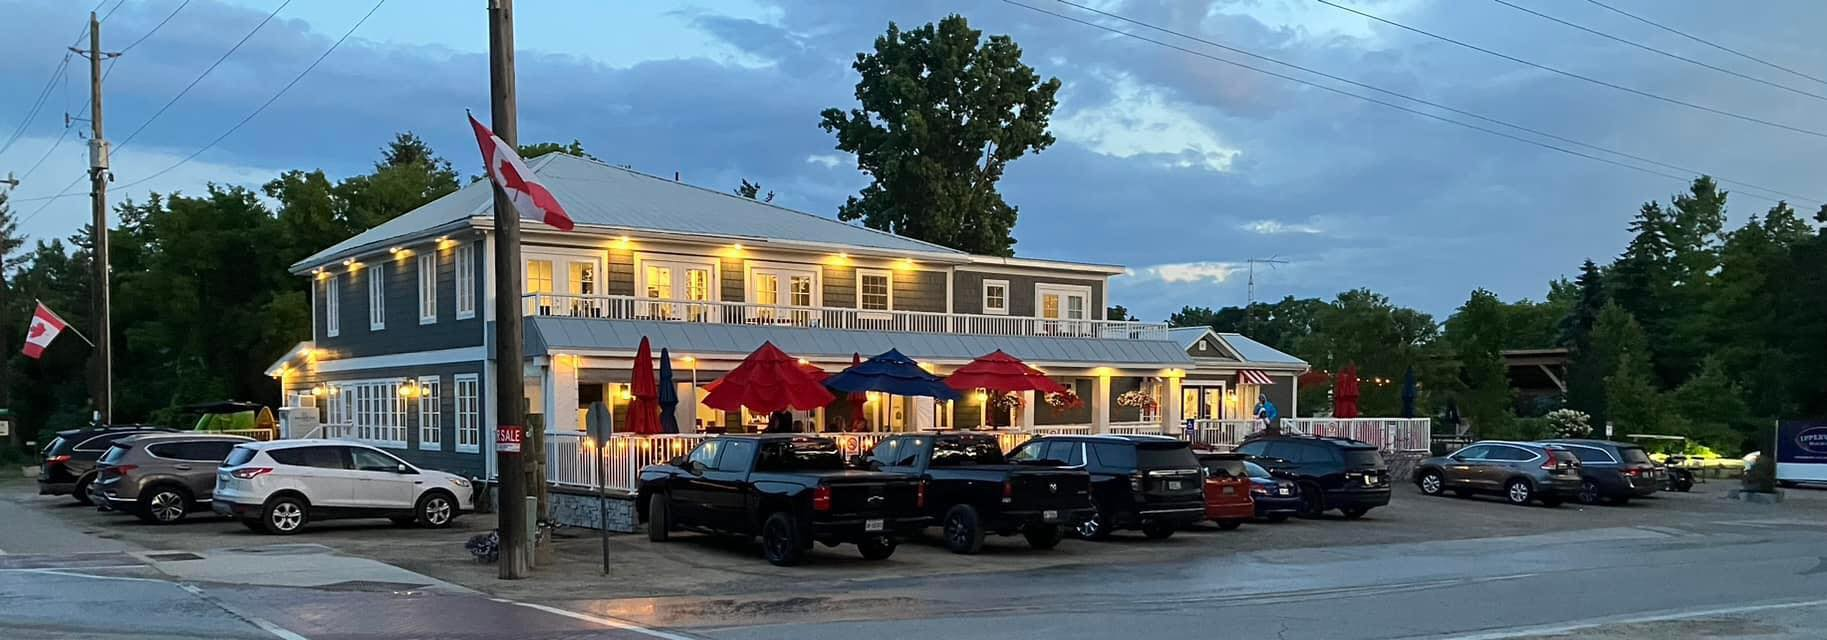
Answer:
(1333, 473)
(68, 468)
(1612, 472)
(1152, 483)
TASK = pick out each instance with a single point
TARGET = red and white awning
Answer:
(1252, 376)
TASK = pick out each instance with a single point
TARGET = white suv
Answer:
(279, 486)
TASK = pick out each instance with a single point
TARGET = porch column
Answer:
(1100, 402)
(1027, 410)
(1171, 411)
(561, 394)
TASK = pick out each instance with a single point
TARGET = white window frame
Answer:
(716, 272)
(466, 281)
(1064, 291)
(428, 287)
(997, 311)
(785, 271)
(431, 413)
(333, 306)
(885, 273)
(373, 409)
(377, 297)
(468, 397)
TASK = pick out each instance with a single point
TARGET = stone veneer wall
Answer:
(579, 509)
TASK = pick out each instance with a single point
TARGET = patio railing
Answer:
(1388, 434)
(609, 307)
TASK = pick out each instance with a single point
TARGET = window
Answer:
(1634, 455)
(238, 457)
(373, 410)
(431, 413)
(874, 290)
(1063, 302)
(469, 412)
(966, 450)
(1115, 456)
(705, 454)
(690, 280)
(1361, 458)
(1476, 452)
(539, 276)
(767, 289)
(800, 454)
(315, 457)
(736, 455)
(583, 278)
(883, 454)
(377, 297)
(193, 451)
(466, 281)
(333, 298)
(996, 297)
(1590, 455)
(428, 288)
(371, 460)
(1510, 454)
(908, 455)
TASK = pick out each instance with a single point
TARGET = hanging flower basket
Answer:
(1063, 401)
(1006, 401)
(1136, 399)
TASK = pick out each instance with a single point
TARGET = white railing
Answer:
(1062, 430)
(1225, 434)
(633, 308)
(1150, 427)
(1388, 434)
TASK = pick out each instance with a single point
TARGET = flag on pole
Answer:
(523, 189)
(46, 326)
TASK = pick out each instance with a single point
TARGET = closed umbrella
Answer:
(858, 399)
(768, 380)
(644, 409)
(1409, 393)
(999, 371)
(1345, 394)
(669, 395)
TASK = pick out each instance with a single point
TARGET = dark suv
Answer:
(1521, 472)
(1613, 472)
(1333, 473)
(69, 460)
(1152, 483)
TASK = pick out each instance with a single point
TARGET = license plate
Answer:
(1173, 485)
(1230, 491)
(872, 525)
(1049, 516)
(1284, 491)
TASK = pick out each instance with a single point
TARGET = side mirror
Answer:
(696, 468)
(859, 461)
(1456, 458)
(677, 461)
(403, 470)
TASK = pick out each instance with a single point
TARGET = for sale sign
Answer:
(508, 438)
(1801, 450)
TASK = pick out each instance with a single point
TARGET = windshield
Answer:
(808, 454)
(952, 452)
(1256, 471)
(1176, 455)
(1633, 455)
(238, 457)
(1223, 467)
(114, 454)
(1362, 457)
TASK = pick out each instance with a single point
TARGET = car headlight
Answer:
(460, 482)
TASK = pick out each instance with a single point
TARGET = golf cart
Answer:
(235, 417)
(1676, 476)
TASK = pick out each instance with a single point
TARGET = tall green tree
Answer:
(1590, 299)
(1476, 334)
(1709, 408)
(943, 111)
(408, 175)
(752, 191)
(576, 148)
(1191, 317)
(1614, 336)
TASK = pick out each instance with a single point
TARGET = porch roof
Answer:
(546, 335)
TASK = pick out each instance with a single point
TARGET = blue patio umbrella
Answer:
(891, 373)
(669, 395)
(1409, 392)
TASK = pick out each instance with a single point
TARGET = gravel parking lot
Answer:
(697, 565)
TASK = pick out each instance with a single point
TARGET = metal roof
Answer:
(1253, 351)
(547, 335)
(600, 195)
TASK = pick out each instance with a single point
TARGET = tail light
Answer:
(1008, 492)
(1633, 472)
(1551, 464)
(821, 499)
(119, 470)
(249, 473)
(920, 495)
(57, 459)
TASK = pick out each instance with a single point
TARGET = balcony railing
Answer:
(632, 308)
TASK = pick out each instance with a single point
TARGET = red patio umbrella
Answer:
(767, 381)
(857, 399)
(999, 371)
(1345, 394)
(810, 369)
(644, 409)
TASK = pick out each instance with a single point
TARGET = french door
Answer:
(773, 286)
(686, 286)
(1064, 309)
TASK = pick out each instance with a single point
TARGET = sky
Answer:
(1176, 166)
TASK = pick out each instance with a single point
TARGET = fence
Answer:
(1388, 434)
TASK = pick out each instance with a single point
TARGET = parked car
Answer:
(1228, 495)
(68, 465)
(972, 489)
(792, 490)
(1275, 498)
(1521, 472)
(1613, 472)
(1332, 473)
(162, 477)
(278, 487)
(1152, 483)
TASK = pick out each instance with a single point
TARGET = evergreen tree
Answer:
(1591, 297)
(1709, 409)
(1476, 333)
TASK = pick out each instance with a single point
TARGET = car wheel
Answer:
(1229, 525)
(1276, 517)
(165, 504)
(1096, 527)
(81, 492)
(436, 510)
(962, 532)
(659, 518)
(876, 548)
(1589, 493)
(1353, 513)
(1042, 536)
(284, 515)
(1312, 501)
(780, 540)
(1518, 492)
(1158, 530)
(1432, 483)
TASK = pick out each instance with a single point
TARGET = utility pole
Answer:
(1271, 261)
(510, 413)
(99, 302)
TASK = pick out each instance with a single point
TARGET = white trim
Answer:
(1065, 291)
(985, 296)
(1027, 267)
(487, 299)
(457, 430)
(377, 297)
(436, 397)
(374, 410)
(333, 306)
(463, 273)
(785, 270)
(314, 291)
(885, 273)
(413, 359)
(428, 287)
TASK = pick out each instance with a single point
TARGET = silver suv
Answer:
(162, 477)
(1520, 472)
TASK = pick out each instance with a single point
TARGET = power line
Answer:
(44, 94)
(1576, 76)
(1690, 172)
(193, 83)
(156, 27)
(1661, 52)
(1704, 41)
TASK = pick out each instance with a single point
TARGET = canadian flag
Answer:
(45, 328)
(510, 173)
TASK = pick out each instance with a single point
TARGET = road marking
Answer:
(609, 622)
(55, 570)
(280, 632)
(1654, 617)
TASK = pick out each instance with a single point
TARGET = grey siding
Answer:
(446, 458)
(621, 273)
(733, 285)
(916, 290)
(967, 292)
(1207, 347)
(403, 334)
(840, 287)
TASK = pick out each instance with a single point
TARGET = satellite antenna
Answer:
(1271, 261)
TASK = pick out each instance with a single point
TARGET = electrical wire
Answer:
(1431, 103)
(156, 27)
(1576, 76)
(1704, 41)
(193, 83)
(37, 104)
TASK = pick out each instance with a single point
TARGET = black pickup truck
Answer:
(971, 489)
(792, 490)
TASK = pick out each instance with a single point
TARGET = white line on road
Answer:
(1654, 617)
(55, 570)
(610, 622)
(281, 632)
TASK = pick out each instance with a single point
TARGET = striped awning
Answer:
(1252, 376)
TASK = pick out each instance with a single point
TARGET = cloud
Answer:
(1277, 227)
(1185, 272)
(1142, 121)
(826, 160)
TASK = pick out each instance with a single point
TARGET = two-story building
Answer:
(402, 316)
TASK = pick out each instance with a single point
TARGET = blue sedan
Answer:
(1275, 498)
